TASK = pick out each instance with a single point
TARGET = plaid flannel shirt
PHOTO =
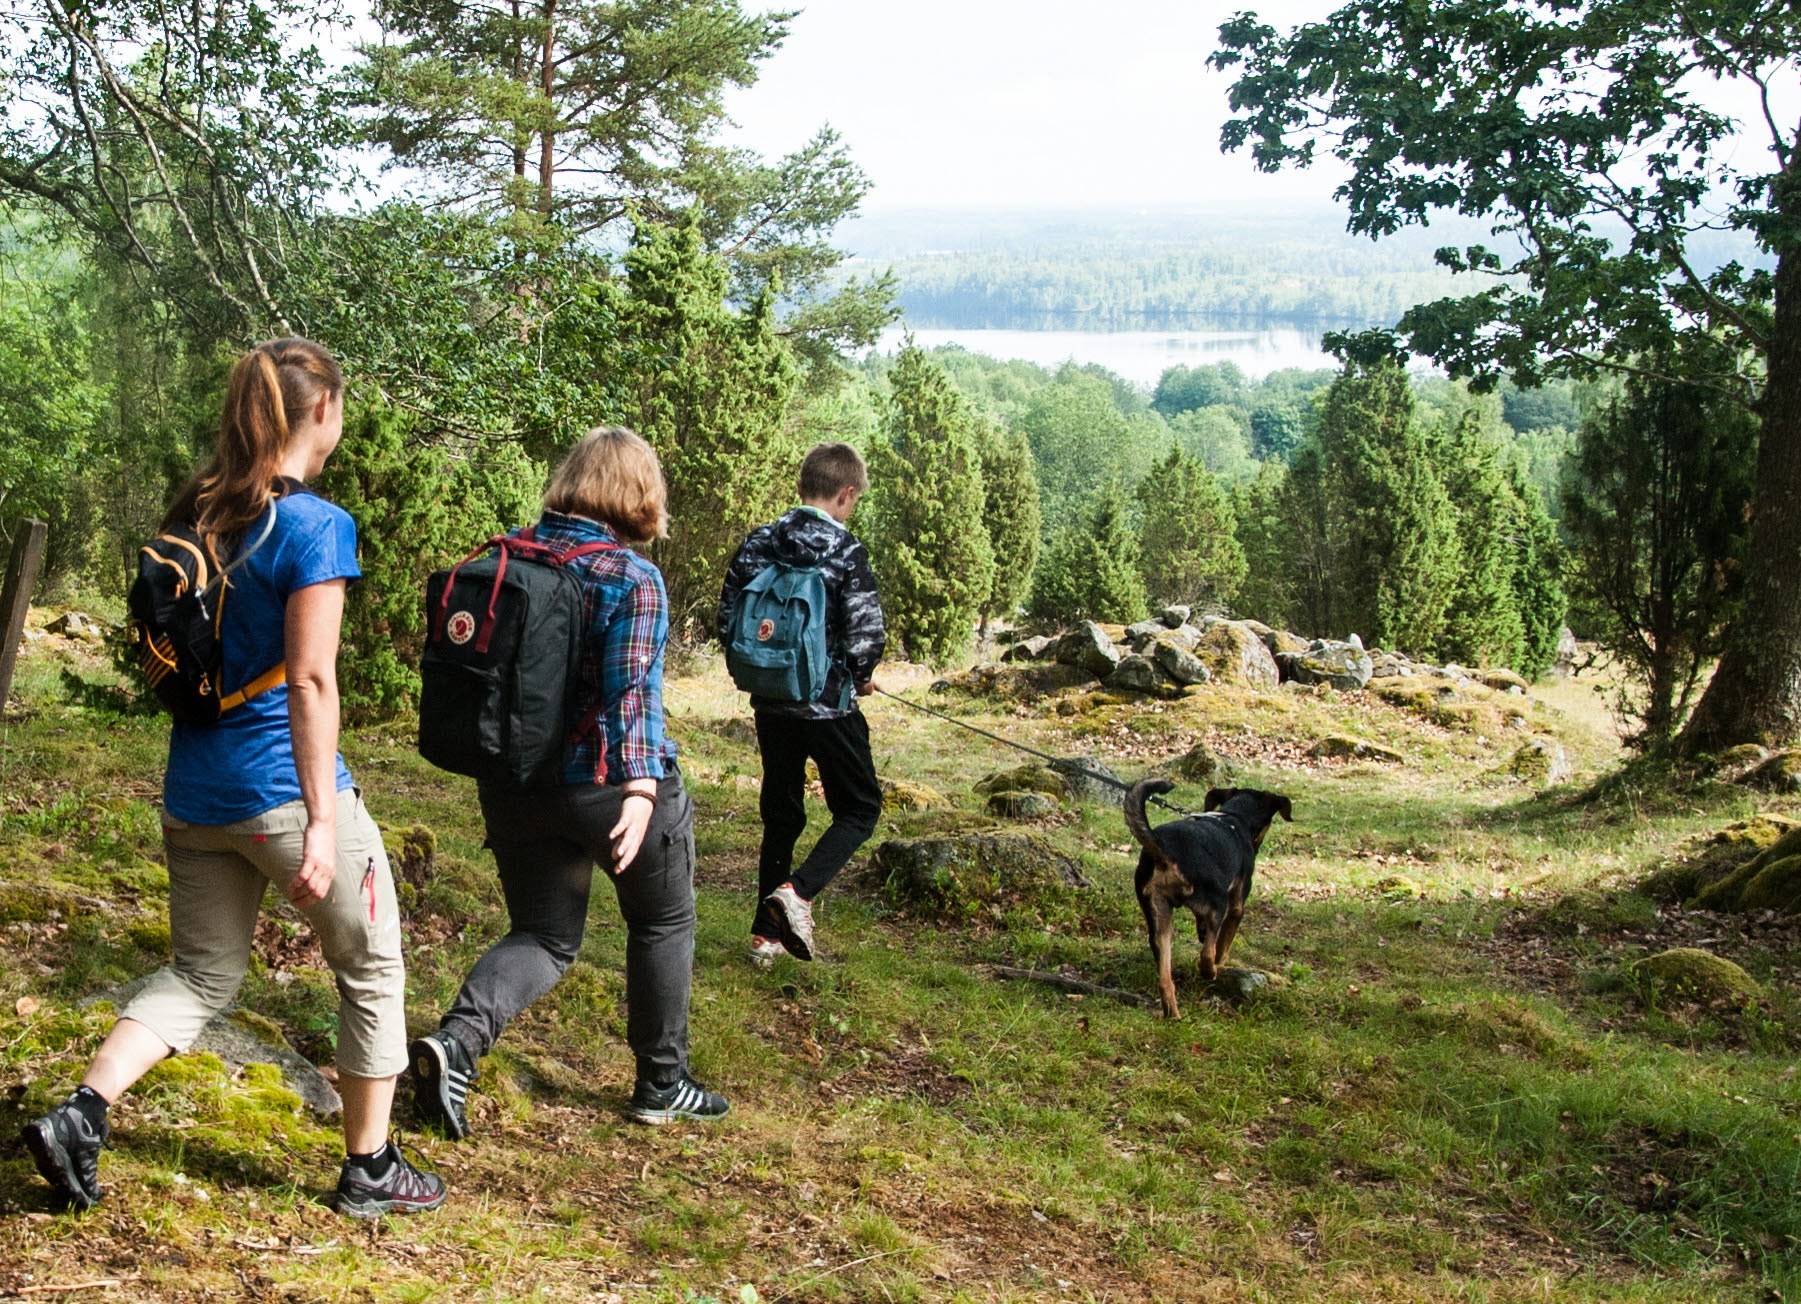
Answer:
(627, 612)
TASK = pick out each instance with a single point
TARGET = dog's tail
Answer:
(1135, 817)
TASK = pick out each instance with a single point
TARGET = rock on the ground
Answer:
(1780, 773)
(241, 1037)
(1176, 615)
(1563, 662)
(1089, 647)
(1343, 666)
(1179, 663)
(1334, 745)
(1030, 777)
(1022, 805)
(1035, 648)
(1144, 632)
(904, 794)
(1538, 762)
(1233, 654)
(1279, 641)
(957, 877)
(1138, 673)
(1201, 764)
(77, 624)
(1024, 682)
(1501, 680)
(1238, 986)
(1080, 786)
(1687, 973)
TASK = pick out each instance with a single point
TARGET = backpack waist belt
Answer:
(273, 678)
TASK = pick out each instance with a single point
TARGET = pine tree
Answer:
(928, 545)
(1092, 569)
(1011, 513)
(1482, 622)
(1190, 550)
(708, 388)
(1266, 536)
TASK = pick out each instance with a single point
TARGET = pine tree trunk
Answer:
(1755, 695)
(547, 156)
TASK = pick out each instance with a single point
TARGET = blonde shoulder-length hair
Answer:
(613, 476)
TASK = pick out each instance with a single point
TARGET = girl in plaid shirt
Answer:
(621, 803)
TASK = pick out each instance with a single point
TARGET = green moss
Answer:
(1591, 911)
(1781, 773)
(1032, 777)
(1343, 745)
(1728, 892)
(150, 935)
(903, 794)
(1777, 887)
(1686, 973)
(1505, 1024)
(960, 877)
(1709, 857)
(1022, 805)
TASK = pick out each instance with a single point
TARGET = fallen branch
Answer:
(62, 1290)
(1069, 984)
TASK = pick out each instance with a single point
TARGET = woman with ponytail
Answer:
(262, 796)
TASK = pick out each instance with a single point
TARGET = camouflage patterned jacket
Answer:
(854, 632)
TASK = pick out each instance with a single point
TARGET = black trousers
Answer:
(545, 842)
(840, 748)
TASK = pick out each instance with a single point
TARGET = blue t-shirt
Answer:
(244, 765)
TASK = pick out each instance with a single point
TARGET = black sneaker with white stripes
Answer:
(443, 1072)
(683, 1098)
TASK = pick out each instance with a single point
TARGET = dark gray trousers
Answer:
(545, 843)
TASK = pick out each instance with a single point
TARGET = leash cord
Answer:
(1058, 763)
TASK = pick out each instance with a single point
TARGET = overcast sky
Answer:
(1030, 102)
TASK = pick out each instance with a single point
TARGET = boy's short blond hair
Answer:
(613, 476)
(829, 469)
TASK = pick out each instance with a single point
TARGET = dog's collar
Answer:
(1234, 822)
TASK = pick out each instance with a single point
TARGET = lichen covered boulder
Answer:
(1136, 673)
(1021, 682)
(1242, 986)
(1233, 654)
(1176, 616)
(1035, 648)
(1343, 666)
(1335, 746)
(1685, 973)
(957, 878)
(1500, 680)
(1538, 762)
(1201, 764)
(1180, 664)
(1022, 805)
(1781, 773)
(904, 794)
(1279, 641)
(1031, 777)
(1704, 860)
(1089, 647)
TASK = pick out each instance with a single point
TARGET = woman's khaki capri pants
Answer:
(217, 877)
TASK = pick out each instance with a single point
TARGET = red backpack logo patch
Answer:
(765, 631)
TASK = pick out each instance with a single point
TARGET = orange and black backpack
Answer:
(177, 621)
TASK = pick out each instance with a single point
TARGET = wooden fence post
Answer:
(15, 598)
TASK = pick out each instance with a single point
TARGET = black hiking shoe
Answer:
(683, 1098)
(66, 1149)
(402, 1189)
(442, 1076)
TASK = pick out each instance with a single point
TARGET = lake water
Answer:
(1140, 356)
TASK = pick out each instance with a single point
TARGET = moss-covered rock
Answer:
(1071, 704)
(904, 794)
(1739, 759)
(1709, 857)
(1588, 910)
(1781, 773)
(1343, 745)
(1687, 974)
(1031, 777)
(1538, 762)
(1021, 683)
(1137, 673)
(1343, 666)
(1089, 647)
(1242, 986)
(740, 729)
(1280, 641)
(1233, 654)
(1022, 805)
(1500, 680)
(412, 853)
(1732, 891)
(1201, 764)
(957, 878)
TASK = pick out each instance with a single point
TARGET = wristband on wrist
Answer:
(650, 797)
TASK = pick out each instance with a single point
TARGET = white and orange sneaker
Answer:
(794, 918)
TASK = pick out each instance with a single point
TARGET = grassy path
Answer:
(1454, 1097)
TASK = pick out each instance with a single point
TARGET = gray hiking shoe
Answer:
(794, 920)
(66, 1149)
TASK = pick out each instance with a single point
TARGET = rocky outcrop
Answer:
(1344, 666)
(1088, 647)
(1035, 648)
(1180, 664)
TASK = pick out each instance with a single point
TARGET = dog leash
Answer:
(1061, 764)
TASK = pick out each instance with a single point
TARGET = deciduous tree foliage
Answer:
(1189, 549)
(929, 546)
(1580, 130)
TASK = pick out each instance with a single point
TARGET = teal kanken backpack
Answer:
(777, 649)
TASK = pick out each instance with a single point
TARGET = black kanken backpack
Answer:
(177, 608)
(501, 661)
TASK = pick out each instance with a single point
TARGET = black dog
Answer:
(1205, 863)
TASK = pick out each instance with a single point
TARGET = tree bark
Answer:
(547, 152)
(1755, 695)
